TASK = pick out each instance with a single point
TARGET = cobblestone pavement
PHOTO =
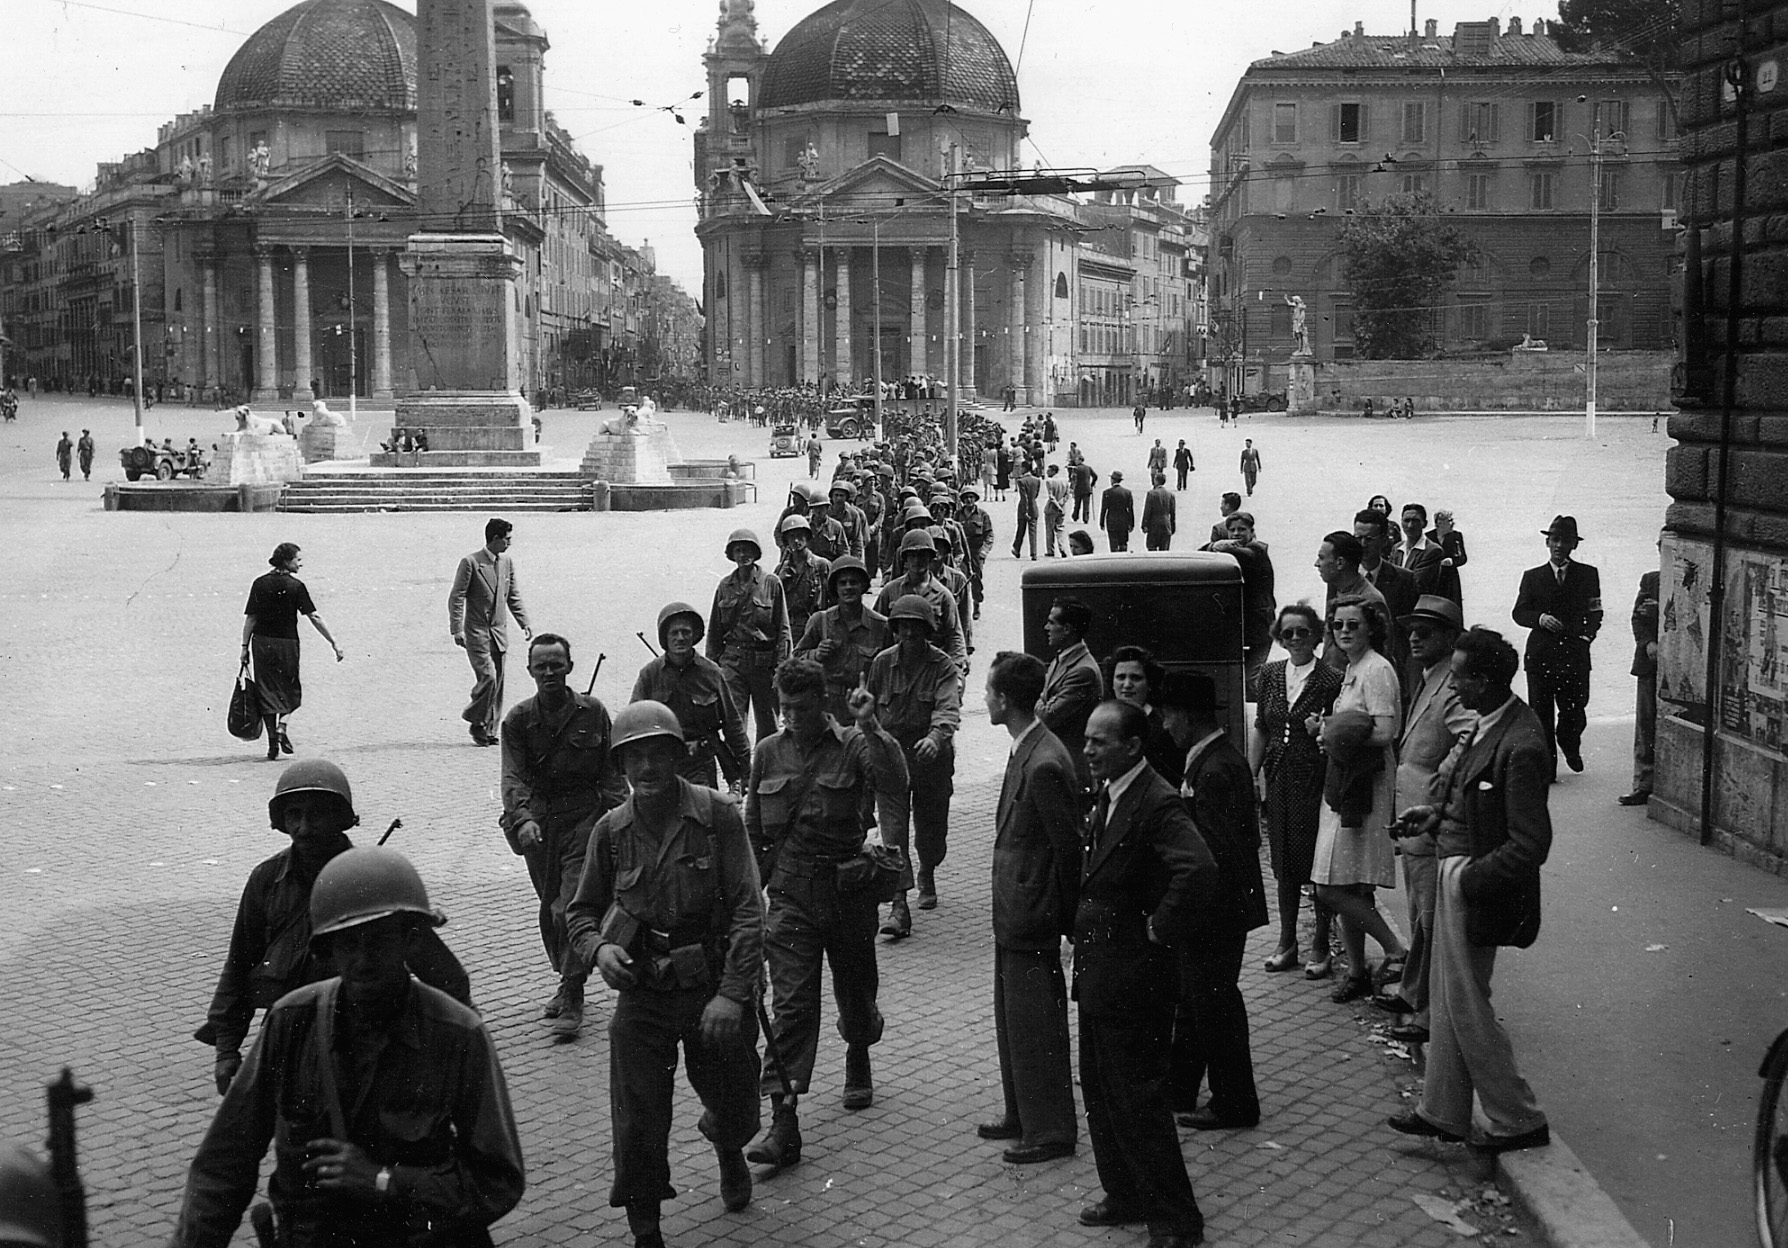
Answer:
(132, 819)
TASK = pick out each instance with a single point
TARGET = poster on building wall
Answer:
(1753, 671)
(1682, 631)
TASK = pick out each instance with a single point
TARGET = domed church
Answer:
(824, 161)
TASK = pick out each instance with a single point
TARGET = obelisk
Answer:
(464, 385)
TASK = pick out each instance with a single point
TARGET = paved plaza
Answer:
(132, 818)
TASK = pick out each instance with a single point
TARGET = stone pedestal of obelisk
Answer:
(464, 390)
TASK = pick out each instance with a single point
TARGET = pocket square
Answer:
(1484, 786)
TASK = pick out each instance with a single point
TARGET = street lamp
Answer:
(136, 317)
(1595, 139)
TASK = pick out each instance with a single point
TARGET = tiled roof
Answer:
(1400, 52)
(922, 50)
(326, 54)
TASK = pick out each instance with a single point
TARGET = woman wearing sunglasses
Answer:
(1295, 693)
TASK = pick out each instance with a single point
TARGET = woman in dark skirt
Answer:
(1289, 764)
(270, 637)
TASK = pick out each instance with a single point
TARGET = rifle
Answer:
(63, 1095)
(395, 825)
(720, 745)
(598, 671)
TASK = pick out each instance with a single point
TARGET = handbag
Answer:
(876, 871)
(245, 707)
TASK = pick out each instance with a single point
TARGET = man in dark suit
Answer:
(1424, 559)
(483, 586)
(1210, 1025)
(1117, 512)
(1395, 586)
(1158, 521)
(1029, 486)
(1492, 833)
(1036, 874)
(1082, 477)
(1645, 670)
(1147, 878)
(1073, 685)
(1561, 601)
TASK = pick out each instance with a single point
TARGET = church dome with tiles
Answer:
(326, 55)
(924, 51)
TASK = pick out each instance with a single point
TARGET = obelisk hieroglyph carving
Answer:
(464, 388)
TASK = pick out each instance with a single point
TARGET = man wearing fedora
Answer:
(1561, 601)
(1434, 720)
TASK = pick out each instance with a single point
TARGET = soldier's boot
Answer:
(899, 923)
(556, 1006)
(735, 1179)
(642, 1221)
(927, 890)
(859, 1087)
(781, 1145)
(571, 1014)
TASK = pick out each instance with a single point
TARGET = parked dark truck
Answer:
(1185, 608)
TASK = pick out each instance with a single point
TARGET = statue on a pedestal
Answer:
(1300, 325)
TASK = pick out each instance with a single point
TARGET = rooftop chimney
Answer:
(1496, 28)
(1359, 30)
(1514, 26)
(1431, 29)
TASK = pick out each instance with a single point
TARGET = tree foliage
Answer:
(1649, 31)
(1398, 258)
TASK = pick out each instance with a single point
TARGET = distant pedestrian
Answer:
(1055, 513)
(1082, 478)
(484, 587)
(1139, 413)
(1117, 512)
(1645, 671)
(1561, 601)
(1158, 519)
(1026, 522)
(815, 453)
(1182, 464)
(84, 451)
(64, 454)
(1250, 464)
(270, 639)
(1157, 458)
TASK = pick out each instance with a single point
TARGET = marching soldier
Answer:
(695, 689)
(748, 632)
(918, 553)
(803, 575)
(845, 637)
(977, 533)
(671, 914)
(829, 539)
(849, 515)
(814, 787)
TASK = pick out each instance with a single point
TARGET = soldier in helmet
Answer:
(695, 689)
(830, 539)
(849, 516)
(917, 694)
(814, 787)
(671, 913)
(977, 536)
(803, 575)
(918, 551)
(748, 630)
(845, 636)
(954, 579)
(30, 1205)
(270, 947)
(382, 1098)
(559, 778)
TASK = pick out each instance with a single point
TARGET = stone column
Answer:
(266, 331)
(920, 354)
(381, 361)
(210, 332)
(757, 321)
(301, 327)
(965, 277)
(810, 314)
(1018, 350)
(841, 342)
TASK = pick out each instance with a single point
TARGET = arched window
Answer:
(1061, 285)
(505, 94)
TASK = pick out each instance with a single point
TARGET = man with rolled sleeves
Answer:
(849, 516)
(695, 689)
(1147, 876)
(803, 575)
(671, 914)
(1561, 601)
(748, 630)
(814, 787)
(846, 636)
(1036, 877)
(1072, 684)
(977, 536)
(558, 780)
(918, 699)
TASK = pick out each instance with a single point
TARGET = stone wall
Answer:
(1526, 381)
(1735, 597)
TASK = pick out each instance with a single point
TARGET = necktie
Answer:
(1101, 813)
(1560, 573)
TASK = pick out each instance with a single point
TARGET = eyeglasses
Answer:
(1346, 626)
(1292, 634)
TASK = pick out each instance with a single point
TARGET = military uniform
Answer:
(803, 588)
(713, 725)
(949, 635)
(557, 771)
(977, 536)
(696, 898)
(829, 539)
(806, 813)
(748, 635)
(855, 645)
(915, 704)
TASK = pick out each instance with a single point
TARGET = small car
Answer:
(785, 440)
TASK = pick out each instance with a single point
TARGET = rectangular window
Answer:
(1666, 127)
(1539, 319)
(1285, 123)
(1415, 122)
(1477, 192)
(1667, 191)
(1243, 132)
(1343, 343)
(884, 144)
(1539, 186)
(1542, 121)
(1479, 123)
(1610, 117)
(1350, 123)
(1414, 183)
(1347, 191)
(1609, 197)
(347, 142)
(1474, 321)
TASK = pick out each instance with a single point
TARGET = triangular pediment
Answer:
(331, 180)
(879, 177)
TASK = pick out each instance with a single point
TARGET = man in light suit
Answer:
(1435, 722)
(1561, 601)
(483, 588)
(1158, 519)
(1148, 876)
(1036, 875)
(1117, 512)
(1073, 685)
(1493, 833)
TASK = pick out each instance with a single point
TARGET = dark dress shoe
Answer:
(1638, 797)
(1105, 1213)
(1392, 1003)
(1412, 1123)
(1352, 989)
(1031, 1154)
(1409, 1033)
(1539, 1137)
(1574, 759)
(1206, 1119)
(999, 1129)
